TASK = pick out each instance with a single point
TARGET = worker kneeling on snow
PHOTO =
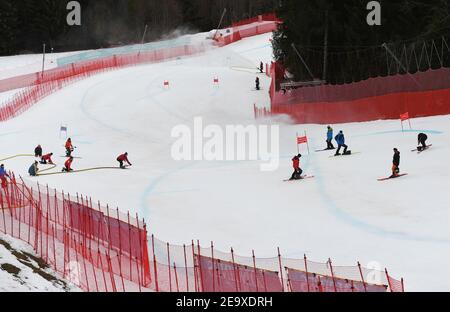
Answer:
(38, 151)
(123, 158)
(47, 159)
(340, 139)
(33, 169)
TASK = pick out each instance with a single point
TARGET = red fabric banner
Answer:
(302, 140)
(404, 117)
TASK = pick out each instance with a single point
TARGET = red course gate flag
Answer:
(302, 140)
(404, 117)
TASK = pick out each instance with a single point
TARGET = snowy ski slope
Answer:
(344, 213)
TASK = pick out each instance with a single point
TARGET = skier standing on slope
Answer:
(422, 140)
(297, 175)
(47, 159)
(396, 163)
(122, 158)
(257, 84)
(38, 151)
(68, 165)
(3, 175)
(33, 170)
(330, 145)
(340, 139)
(261, 67)
(69, 147)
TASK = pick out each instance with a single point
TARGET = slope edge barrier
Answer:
(104, 250)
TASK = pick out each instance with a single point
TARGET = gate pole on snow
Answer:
(186, 268)
(306, 270)
(362, 276)
(281, 270)
(256, 271)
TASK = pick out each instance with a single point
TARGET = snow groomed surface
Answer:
(344, 212)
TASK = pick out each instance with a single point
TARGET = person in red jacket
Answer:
(47, 159)
(69, 147)
(297, 175)
(123, 158)
(68, 165)
(3, 175)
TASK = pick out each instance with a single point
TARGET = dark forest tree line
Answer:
(26, 24)
(335, 41)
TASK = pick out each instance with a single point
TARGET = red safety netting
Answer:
(94, 248)
(55, 79)
(421, 94)
(300, 281)
(196, 269)
(99, 249)
(246, 30)
(116, 61)
(260, 18)
(28, 80)
(18, 82)
(222, 276)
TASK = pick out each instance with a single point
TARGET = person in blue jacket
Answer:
(330, 145)
(340, 139)
(3, 175)
(33, 170)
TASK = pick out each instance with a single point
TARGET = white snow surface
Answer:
(343, 213)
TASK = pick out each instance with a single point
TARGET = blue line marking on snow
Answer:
(176, 191)
(149, 190)
(362, 225)
(399, 131)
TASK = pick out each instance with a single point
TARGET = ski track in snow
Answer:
(343, 212)
(342, 216)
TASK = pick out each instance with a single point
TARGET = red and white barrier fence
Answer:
(104, 250)
(54, 80)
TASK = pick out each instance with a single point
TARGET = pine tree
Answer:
(354, 48)
(8, 26)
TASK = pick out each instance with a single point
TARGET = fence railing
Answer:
(269, 17)
(104, 250)
(92, 246)
(99, 249)
(191, 268)
(54, 80)
(241, 31)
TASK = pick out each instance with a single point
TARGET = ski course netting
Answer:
(54, 80)
(97, 249)
(417, 85)
(238, 33)
(374, 99)
(104, 250)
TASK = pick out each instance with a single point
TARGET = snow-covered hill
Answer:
(22, 271)
(343, 213)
